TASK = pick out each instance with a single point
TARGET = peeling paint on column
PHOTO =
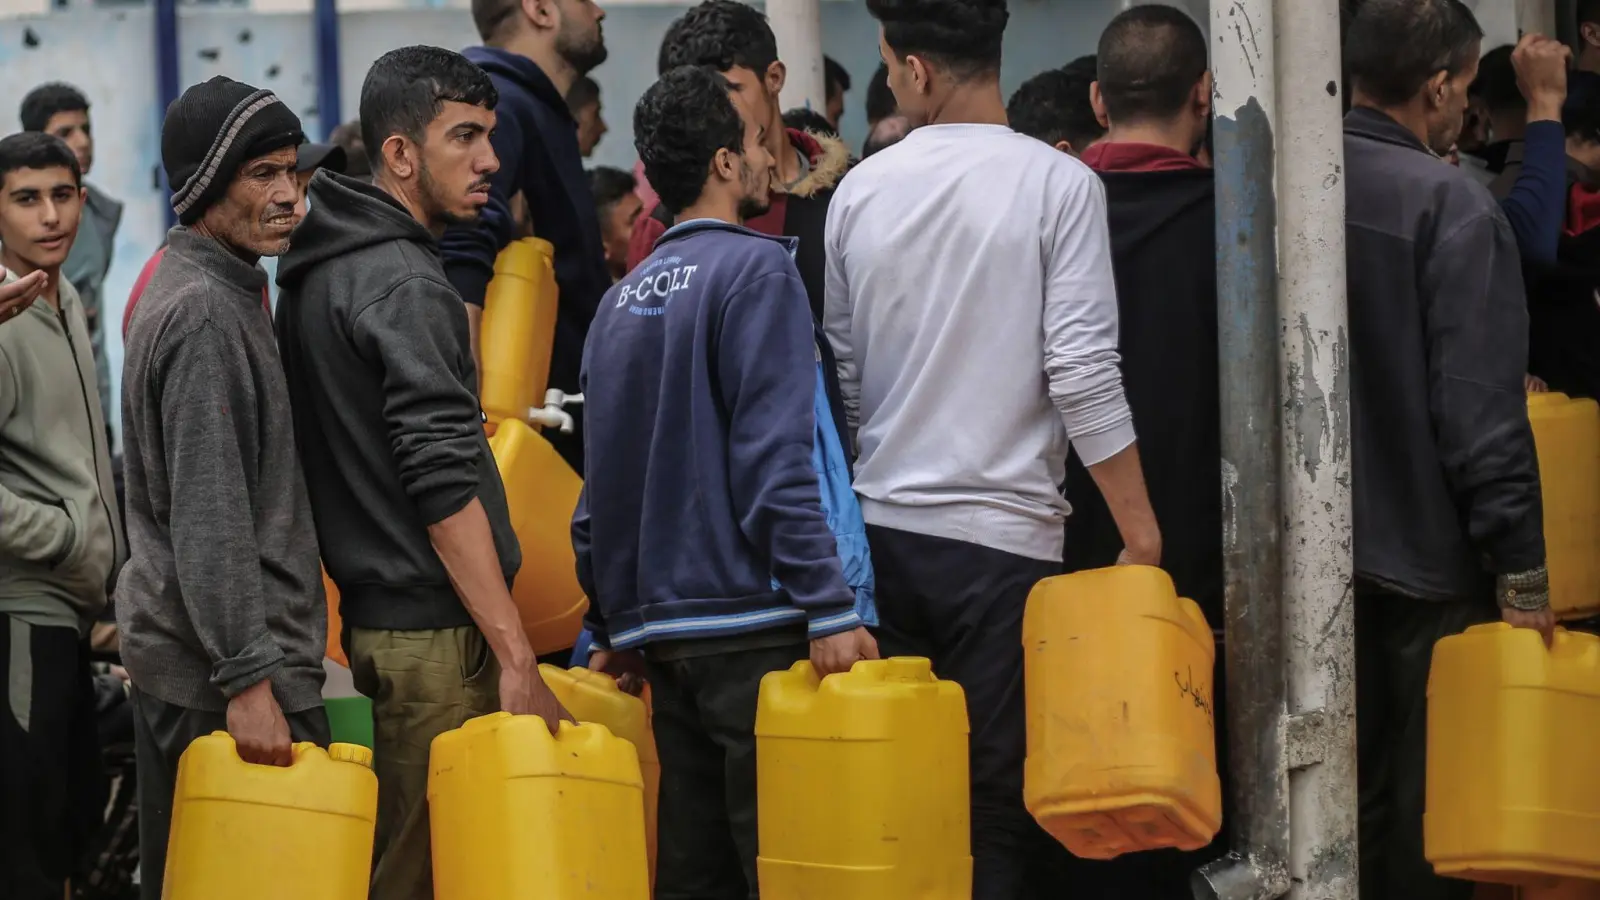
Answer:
(1307, 404)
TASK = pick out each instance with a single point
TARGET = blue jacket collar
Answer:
(697, 226)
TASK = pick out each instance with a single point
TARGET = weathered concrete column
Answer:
(797, 24)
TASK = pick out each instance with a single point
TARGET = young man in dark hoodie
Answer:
(533, 51)
(734, 39)
(222, 619)
(1153, 91)
(709, 551)
(1449, 524)
(408, 502)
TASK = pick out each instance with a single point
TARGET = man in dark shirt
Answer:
(534, 51)
(1448, 518)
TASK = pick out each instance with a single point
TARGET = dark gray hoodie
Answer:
(222, 588)
(375, 346)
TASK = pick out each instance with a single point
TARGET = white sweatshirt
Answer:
(971, 305)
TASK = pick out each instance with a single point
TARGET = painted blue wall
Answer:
(109, 53)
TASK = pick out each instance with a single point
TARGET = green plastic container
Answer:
(350, 719)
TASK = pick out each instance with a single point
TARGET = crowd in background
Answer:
(838, 404)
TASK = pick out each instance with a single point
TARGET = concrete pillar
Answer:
(797, 24)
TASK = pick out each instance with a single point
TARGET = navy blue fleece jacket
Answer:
(536, 139)
(702, 515)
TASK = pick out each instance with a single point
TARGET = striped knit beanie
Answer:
(213, 129)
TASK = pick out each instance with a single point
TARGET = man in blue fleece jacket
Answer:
(702, 536)
(533, 51)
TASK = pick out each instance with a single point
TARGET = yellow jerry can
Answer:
(1121, 732)
(541, 493)
(862, 784)
(518, 330)
(248, 832)
(1566, 433)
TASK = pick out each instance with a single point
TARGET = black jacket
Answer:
(374, 343)
(1446, 478)
(1163, 253)
(536, 139)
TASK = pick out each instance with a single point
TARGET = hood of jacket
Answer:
(521, 71)
(347, 215)
(829, 158)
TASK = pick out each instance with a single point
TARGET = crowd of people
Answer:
(837, 405)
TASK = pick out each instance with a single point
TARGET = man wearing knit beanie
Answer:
(221, 610)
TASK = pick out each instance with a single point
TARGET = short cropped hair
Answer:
(406, 89)
(1394, 46)
(44, 101)
(963, 37)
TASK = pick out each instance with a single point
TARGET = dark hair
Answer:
(348, 136)
(406, 88)
(585, 91)
(880, 100)
(490, 16)
(1588, 11)
(802, 119)
(721, 34)
(1582, 119)
(1149, 61)
(46, 100)
(1084, 65)
(37, 150)
(678, 127)
(835, 78)
(1394, 46)
(1054, 106)
(609, 186)
(1497, 81)
(961, 36)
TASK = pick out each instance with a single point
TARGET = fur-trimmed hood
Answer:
(829, 157)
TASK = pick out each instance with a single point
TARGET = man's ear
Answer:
(1589, 33)
(1066, 147)
(777, 76)
(1435, 88)
(724, 165)
(542, 13)
(399, 155)
(1202, 100)
(1098, 104)
(921, 75)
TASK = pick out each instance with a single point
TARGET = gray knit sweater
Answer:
(223, 588)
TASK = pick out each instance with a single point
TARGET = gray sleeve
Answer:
(416, 335)
(1476, 321)
(208, 418)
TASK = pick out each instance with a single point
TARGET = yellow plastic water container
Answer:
(862, 781)
(594, 697)
(247, 832)
(542, 492)
(1513, 792)
(1567, 434)
(1121, 738)
(517, 812)
(518, 330)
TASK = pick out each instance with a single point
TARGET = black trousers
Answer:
(161, 732)
(703, 713)
(1394, 649)
(52, 786)
(961, 606)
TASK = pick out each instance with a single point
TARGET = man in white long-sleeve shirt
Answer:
(971, 305)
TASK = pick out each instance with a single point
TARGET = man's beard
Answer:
(438, 208)
(751, 206)
(583, 55)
